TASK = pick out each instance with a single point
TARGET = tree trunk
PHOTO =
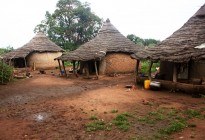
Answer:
(149, 73)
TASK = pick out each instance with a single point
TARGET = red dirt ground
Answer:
(53, 107)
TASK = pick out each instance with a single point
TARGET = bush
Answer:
(6, 73)
(145, 66)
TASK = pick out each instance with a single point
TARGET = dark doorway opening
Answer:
(19, 63)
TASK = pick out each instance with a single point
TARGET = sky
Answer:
(156, 19)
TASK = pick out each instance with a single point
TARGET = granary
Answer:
(107, 53)
(182, 55)
(38, 53)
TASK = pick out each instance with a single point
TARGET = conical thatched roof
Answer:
(39, 43)
(187, 43)
(109, 39)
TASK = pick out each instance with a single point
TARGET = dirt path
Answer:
(52, 107)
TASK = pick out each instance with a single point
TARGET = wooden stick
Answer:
(136, 71)
(87, 70)
(59, 66)
(96, 69)
(64, 68)
(74, 67)
(150, 67)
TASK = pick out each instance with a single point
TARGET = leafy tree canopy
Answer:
(71, 24)
(6, 50)
(142, 42)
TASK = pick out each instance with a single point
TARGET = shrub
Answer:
(6, 73)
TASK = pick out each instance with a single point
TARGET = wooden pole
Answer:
(64, 68)
(137, 70)
(137, 67)
(87, 70)
(74, 67)
(149, 73)
(96, 69)
(175, 73)
(78, 65)
(59, 65)
(26, 66)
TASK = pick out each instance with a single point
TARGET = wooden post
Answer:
(137, 67)
(34, 66)
(96, 69)
(136, 70)
(26, 66)
(74, 67)
(149, 73)
(59, 66)
(175, 73)
(87, 70)
(78, 65)
(64, 68)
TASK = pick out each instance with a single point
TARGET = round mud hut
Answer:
(38, 53)
(107, 53)
(182, 56)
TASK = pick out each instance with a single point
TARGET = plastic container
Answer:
(147, 84)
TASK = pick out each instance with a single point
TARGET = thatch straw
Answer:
(108, 40)
(40, 43)
(181, 46)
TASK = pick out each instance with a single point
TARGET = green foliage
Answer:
(192, 113)
(114, 111)
(6, 50)
(66, 63)
(145, 66)
(71, 24)
(93, 117)
(6, 73)
(121, 121)
(98, 125)
(142, 42)
(174, 127)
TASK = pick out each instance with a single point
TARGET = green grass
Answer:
(98, 125)
(153, 117)
(121, 121)
(192, 113)
(93, 117)
(175, 126)
(114, 111)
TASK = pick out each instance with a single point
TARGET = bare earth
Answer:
(53, 107)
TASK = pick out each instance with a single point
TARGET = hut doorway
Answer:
(91, 66)
(19, 63)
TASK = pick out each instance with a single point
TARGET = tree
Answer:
(6, 50)
(137, 40)
(71, 24)
(142, 42)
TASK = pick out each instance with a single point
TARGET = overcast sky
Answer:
(155, 19)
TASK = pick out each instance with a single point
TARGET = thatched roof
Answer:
(108, 40)
(185, 44)
(39, 43)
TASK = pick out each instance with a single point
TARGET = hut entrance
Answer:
(91, 65)
(183, 71)
(19, 63)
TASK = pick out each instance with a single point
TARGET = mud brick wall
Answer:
(117, 63)
(44, 60)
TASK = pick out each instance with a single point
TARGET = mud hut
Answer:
(108, 53)
(182, 55)
(38, 53)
